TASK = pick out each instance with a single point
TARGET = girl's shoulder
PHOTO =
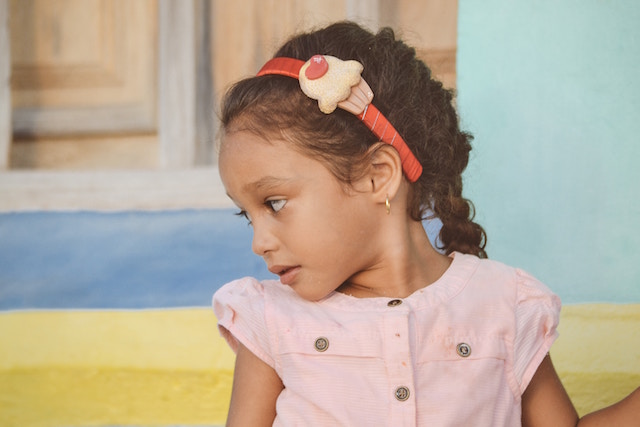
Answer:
(249, 289)
(260, 297)
(490, 280)
(492, 272)
(246, 314)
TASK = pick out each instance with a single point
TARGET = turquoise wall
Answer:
(551, 91)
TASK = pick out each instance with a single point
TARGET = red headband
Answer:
(336, 83)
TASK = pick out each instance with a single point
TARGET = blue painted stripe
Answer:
(135, 260)
(69, 260)
(121, 260)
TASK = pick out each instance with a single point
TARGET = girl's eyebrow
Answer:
(266, 183)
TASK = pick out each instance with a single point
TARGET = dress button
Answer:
(394, 302)
(402, 393)
(321, 344)
(463, 349)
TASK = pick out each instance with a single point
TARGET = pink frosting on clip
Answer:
(318, 67)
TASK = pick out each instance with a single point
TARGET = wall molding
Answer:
(112, 190)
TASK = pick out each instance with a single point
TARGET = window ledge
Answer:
(112, 190)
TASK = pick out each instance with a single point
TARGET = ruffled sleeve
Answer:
(537, 317)
(240, 309)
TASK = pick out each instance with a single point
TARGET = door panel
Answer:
(83, 66)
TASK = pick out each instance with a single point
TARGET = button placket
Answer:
(399, 359)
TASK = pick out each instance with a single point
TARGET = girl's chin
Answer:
(309, 295)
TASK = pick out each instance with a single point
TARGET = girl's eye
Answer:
(276, 205)
(245, 215)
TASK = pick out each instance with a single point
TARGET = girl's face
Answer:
(310, 230)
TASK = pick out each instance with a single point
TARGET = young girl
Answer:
(335, 153)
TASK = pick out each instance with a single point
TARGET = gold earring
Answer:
(387, 205)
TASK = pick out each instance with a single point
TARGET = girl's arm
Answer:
(256, 387)
(546, 403)
(624, 413)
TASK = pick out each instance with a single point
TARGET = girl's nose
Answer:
(263, 240)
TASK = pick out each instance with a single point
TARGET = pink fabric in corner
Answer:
(458, 352)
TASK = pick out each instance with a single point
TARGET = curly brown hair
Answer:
(418, 106)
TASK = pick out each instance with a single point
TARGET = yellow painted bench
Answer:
(170, 367)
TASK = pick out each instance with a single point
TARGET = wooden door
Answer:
(106, 93)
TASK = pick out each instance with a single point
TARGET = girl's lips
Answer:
(288, 275)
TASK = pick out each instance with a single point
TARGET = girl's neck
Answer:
(406, 263)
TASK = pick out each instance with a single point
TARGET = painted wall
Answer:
(126, 260)
(105, 318)
(550, 90)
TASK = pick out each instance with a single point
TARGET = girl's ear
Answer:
(385, 172)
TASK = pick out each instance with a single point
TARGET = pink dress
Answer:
(458, 352)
